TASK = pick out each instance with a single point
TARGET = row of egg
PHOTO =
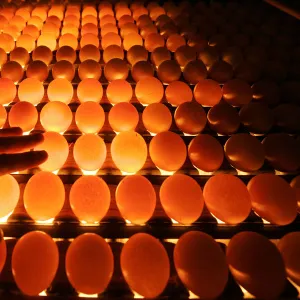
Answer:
(258, 265)
(226, 196)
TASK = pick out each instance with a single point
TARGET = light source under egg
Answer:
(48, 40)
(60, 89)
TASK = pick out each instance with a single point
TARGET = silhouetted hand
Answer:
(15, 154)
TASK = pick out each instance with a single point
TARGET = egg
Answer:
(12, 31)
(107, 18)
(119, 91)
(178, 92)
(125, 19)
(207, 92)
(159, 55)
(66, 53)
(145, 265)
(153, 41)
(89, 89)
(89, 52)
(295, 184)
(208, 56)
(12, 70)
(142, 69)
(282, 152)
(89, 264)
(123, 117)
(167, 151)
(184, 54)
(89, 28)
(36, 21)
(60, 89)
(136, 199)
(89, 39)
(35, 260)
(190, 117)
(206, 153)
(57, 149)
(48, 40)
(90, 199)
(143, 20)
(174, 41)
(289, 248)
(3, 251)
(109, 27)
(223, 118)
(227, 198)
(37, 70)
(42, 53)
(53, 19)
(71, 19)
(51, 30)
(129, 151)
(111, 52)
(44, 196)
(63, 69)
(26, 41)
(109, 39)
(116, 69)
(149, 90)
(31, 90)
(56, 116)
(256, 265)
(287, 117)
(7, 42)
(128, 29)
(8, 91)
(169, 71)
(194, 72)
(89, 69)
(201, 264)
(89, 152)
(233, 56)
(237, 92)
(221, 71)
(136, 53)
(132, 39)
(3, 57)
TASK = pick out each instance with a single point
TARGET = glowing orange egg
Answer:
(89, 19)
(89, 39)
(153, 41)
(89, 264)
(53, 19)
(119, 91)
(7, 42)
(111, 52)
(129, 151)
(23, 12)
(107, 28)
(42, 53)
(25, 41)
(169, 71)
(137, 53)
(44, 196)
(36, 21)
(3, 22)
(24, 115)
(137, 13)
(136, 199)
(109, 39)
(63, 69)
(89, 11)
(3, 116)
(37, 70)
(123, 11)
(116, 69)
(256, 265)
(89, 28)
(159, 55)
(125, 19)
(48, 40)
(90, 199)
(174, 41)
(10, 194)
(178, 92)
(35, 260)
(147, 30)
(71, 19)
(60, 89)
(227, 198)
(89, 89)
(68, 40)
(89, 69)
(20, 55)
(201, 264)
(3, 57)
(149, 90)
(143, 20)
(56, 116)
(132, 39)
(273, 199)
(89, 117)
(89, 52)
(18, 21)
(128, 29)
(66, 53)
(8, 91)
(145, 265)
(142, 69)
(184, 55)
(57, 12)
(89, 152)
(12, 70)
(107, 19)
(13, 31)
(123, 117)
(40, 12)
(50, 29)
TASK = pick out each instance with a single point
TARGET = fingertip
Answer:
(42, 154)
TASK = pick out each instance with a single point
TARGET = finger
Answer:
(20, 143)
(13, 131)
(18, 162)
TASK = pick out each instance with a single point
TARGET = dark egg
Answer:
(169, 71)
(237, 92)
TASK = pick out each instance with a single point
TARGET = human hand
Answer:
(15, 154)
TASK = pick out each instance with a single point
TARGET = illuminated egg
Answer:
(89, 52)
(56, 12)
(125, 19)
(24, 13)
(258, 118)
(194, 71)
(25, 41)
(107, 28)
(125, 11)
(36, 21)
(116, 69)
(13, 31)
(48, 40)
(50, 29)
(142, 69)
(149, 90)
(266, 91)
(89, 152)
(71, 19)
(123, 117)
(3, 22)
(248, 72)
(168, 30)
(89, 69)
(66, 53)
(10, 193)
(24, 115)
(20, 55)
(60, 89)
(184, 55)
(8, 91)
(42, 53)
(108, 19)
(237, 92)
(153, 41)
(89, 117)
(282, 152)
(174, 41)
(89, 19)
(145, 265)
(256, 265)
(137, 13)
(287, 117)
(39, 12)
(208, 56)
(128, 29)
(63, 69)
(169, 71)
(143, 20)
(89, 89)
(12, 70)
(3, 57)
(178, 92)
(56, 116)
(111, 52)
(34, 263)
(136, 53)
(68, 40)
(89, 39)
(167, 151)
(89, 28)
(132, 39)
(44, 196)
(129, 151)
(53, 19)
(89, 263)
(7, 42)
(160, 55)
(119, 91)
(157, 118)
(109, 39)
(223, 118)
(190, 117)
(147, 30)
(3, 116)
(18, 21)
